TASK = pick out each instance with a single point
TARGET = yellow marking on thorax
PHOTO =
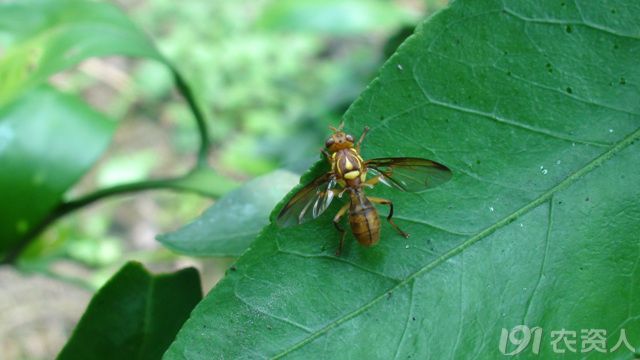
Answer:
(351, 175)
(333, 163)
(347, 164)
(357, 154)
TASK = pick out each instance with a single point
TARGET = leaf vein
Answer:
(270, 315)
(585, 23)
(460, 309)
(406, 324)
(422, 222)
(340, 260)
(543, 263)
(503, 120)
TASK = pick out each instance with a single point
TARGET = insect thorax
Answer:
(348, 166)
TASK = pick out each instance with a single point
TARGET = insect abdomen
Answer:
(365, 224)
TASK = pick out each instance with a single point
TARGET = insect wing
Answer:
(309, 202)
(409, 174)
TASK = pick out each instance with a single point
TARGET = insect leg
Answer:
(326, 154)
(364, 133)
(336, 222)
(371, 182)
(377, 200)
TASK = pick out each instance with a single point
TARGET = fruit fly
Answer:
(350, 173)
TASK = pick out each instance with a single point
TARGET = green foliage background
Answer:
(534, 106)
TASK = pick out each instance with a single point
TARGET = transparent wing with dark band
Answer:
(309, 202)
(409, 174)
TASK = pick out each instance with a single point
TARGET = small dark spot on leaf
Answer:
(560, 202)
(413, 318)
(233, 268)
(568, 29)
(505, 52)
(622, 81)
(615, 46)
(569, 90)
(581, 268)
(478, 161)
(508, 73)
(389, 295)
(613, 11)
(586, 199)
(563, 4)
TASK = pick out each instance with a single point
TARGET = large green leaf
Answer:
(135, 315)
(52, 35)
(228, 227)
(535, 107)
(48, 140)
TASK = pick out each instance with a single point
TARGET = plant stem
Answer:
(66, 207)
(201, 121)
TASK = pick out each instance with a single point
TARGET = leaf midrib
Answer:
(595, 163)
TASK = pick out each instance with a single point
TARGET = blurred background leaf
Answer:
(135, 315)
(126, 168)
(227, 228)
(48, 140)
(49, 36)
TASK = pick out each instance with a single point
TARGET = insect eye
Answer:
(329, 142)
(349, 138)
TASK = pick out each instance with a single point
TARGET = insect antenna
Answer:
(339, 128)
